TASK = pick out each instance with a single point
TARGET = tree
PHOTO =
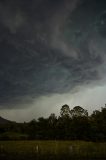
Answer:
(78, 111)
(52, 118)
(65, 111)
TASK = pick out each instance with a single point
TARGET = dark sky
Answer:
(49, 48)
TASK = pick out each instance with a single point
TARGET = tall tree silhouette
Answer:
(78, 111)
(65, 111)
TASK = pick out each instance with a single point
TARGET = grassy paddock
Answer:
(51, 150)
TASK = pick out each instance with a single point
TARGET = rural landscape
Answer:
(52, 79)
(73, 134)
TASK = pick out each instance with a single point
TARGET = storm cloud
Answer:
(50, 47)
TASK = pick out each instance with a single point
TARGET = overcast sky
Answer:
(52, 52)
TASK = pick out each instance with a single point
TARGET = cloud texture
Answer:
(50, 47)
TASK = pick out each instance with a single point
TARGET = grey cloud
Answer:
(45, 48)
(12, 17)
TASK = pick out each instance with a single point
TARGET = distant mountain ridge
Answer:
(4, 121)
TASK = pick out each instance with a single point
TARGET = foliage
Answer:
(74, 124)
(78, 111)
(65, 111)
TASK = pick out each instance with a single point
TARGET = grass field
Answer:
(51, 150)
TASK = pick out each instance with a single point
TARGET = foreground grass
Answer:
(51, 150)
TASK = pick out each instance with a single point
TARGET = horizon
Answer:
(57, 116)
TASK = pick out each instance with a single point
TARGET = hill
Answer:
(4, 121)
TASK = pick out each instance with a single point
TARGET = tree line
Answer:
(71, 124)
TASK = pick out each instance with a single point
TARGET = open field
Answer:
(51, 150)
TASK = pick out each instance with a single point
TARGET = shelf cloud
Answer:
(50, 47)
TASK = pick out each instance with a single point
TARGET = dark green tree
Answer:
(65, 111)
(52, 119)
(78, 111)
